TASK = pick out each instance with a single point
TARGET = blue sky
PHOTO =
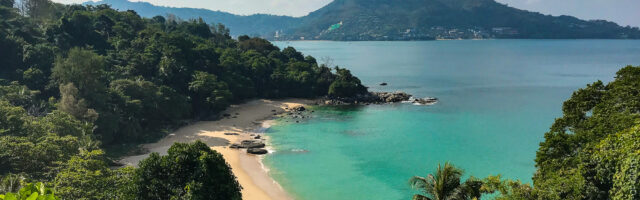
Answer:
(623, 12)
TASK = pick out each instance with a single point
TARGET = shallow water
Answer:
(497, 98)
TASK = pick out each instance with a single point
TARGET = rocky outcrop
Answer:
(378, 98)
(392, 97)
(368, 98)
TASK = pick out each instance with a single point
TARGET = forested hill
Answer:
(77, 79)
(253, 25)
(445, 19)
(400, 20)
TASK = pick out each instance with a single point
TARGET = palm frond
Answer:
(420, 197)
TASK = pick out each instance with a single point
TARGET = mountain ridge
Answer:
(400, 20)
(254, 25)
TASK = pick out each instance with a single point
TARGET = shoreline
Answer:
(247, 120)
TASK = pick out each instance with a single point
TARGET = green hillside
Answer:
(445, 19)
(399, 20)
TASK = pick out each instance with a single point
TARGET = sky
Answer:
(623, 12)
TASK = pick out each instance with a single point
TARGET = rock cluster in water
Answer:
(425, 101)
(368, 98)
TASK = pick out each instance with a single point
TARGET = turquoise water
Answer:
(497, 98)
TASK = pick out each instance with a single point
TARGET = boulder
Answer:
(251, 144)
(300, 108)
(425, 101)
(257, 151)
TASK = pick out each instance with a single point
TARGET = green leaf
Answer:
(10, 196)
(33, 196)
(41, 188)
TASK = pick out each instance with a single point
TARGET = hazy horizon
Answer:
(623, 12)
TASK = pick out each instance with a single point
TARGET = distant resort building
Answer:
(335, 26)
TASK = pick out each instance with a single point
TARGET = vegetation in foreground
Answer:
(591, 152)
(76, 79)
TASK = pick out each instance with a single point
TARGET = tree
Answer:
(37, 158)
(610, 167)
(507, 189)
(20, 95)
(7, 3)
(39, 59)
(567, 168)
(208, 94)
(192, 170)
(87, 176)
(83, 68)
(345, 84)
(37, 8)
(11, 119)
(71, 103)
(444, 184)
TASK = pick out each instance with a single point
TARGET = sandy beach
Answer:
(246, 120)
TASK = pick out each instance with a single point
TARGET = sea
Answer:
(497, 98)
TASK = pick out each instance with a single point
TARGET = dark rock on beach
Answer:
(252, 144)
(248, 144)
(257, 151)
(300, 108)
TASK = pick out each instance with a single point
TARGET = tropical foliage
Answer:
(75, 80)
(445, 184)
(191, 171)
(32, 191)
(591, 152)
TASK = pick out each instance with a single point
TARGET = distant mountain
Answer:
(253, 25)
(446, 19)
(401, 20)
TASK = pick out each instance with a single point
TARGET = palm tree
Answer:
(445, 185)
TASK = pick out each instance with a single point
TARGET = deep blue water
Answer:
(497, 99)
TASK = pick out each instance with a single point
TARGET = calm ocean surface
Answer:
(497, 99)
